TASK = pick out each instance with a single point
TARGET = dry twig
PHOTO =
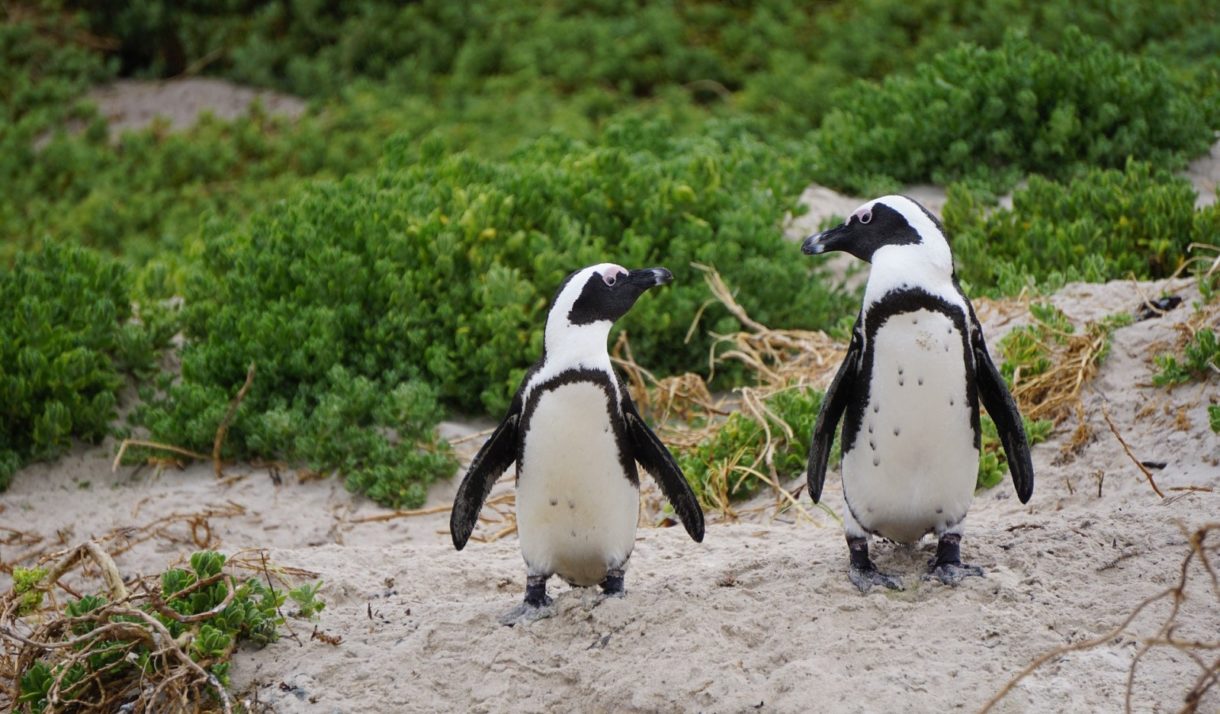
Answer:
(1200, 553)
(223, 430)
(1105, 413)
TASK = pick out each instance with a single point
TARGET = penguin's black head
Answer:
(886, 221)
(606, 292)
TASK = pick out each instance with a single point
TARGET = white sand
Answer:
(759, 614)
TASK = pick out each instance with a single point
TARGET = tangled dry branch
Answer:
(1203, 653)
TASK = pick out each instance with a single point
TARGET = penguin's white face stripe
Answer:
(611, 273)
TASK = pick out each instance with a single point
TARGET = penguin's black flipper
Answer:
(493, 459)
(834, 402)
(660, 464)
(995, 397)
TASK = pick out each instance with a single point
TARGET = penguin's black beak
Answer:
(825, 241)
(649, 277)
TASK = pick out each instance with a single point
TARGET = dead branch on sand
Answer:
(222, 430)
(1105, 413)
(93, 658)
(1202, 653)
(121, 653)
(198, 533)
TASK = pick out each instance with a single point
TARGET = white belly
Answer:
(576, 510)
(914, 465)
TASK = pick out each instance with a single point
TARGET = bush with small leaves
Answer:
(990, 116)
(194, 605)
(1103, 224)
(725, 467)
(1200, 360)
(71, 336)
(438, 270)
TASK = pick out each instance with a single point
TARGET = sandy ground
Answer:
(760, 616)
(130, 105)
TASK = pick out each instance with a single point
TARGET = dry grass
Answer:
(1075, 358)
(171, 681)
(686, 413)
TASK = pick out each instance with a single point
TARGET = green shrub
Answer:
(1103, 224)
(1200, 360)
(990, 116)
(69, 339)
(440, 270)
(722, 468)
(100, 669)
(1213, 417)
(993, 461)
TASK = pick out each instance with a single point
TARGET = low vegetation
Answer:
(71, 336)
(387, 257)
(1102, 224)
(141, 644)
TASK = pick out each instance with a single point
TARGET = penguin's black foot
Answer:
(612, 585)
(952, 573)
(865, 578)
(537, 605)
(863, 574)
(947, 566)
(526, 613)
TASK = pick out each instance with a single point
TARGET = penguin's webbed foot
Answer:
(865, 578)
(947, 566)
(612, 585)
(537, 605)
(526, 613)
(863, 574)
(952, 573)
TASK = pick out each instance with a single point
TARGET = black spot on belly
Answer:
(951, 402)
(900, 382)
(876, 408)
(872, 444)
(870, 428)
(573, 533)
(895, 431)
(554, 501)
(571, 503)
(876, 461)
(940, 511)
(920, 381)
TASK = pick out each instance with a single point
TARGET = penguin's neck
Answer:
(899, 267)
(570, 346)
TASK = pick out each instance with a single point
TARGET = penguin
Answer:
(576, 437)
(908, 394)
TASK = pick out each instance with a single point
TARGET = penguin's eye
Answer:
(610, 280)
(865, 216)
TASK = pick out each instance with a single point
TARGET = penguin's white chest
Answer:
(913, 466)
(577, 510)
